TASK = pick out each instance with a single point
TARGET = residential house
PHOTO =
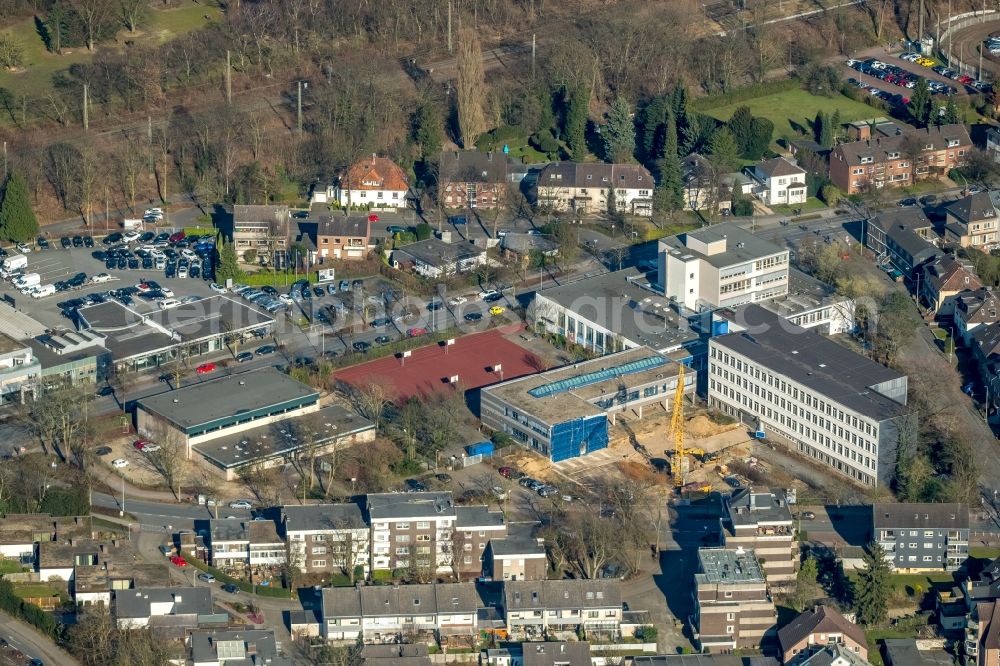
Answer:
(343, 236)
(972, 222)
(373, 182)
(20, 532)
(834, 655)
(903, 237)
(239, 647)
(536, 609)
(96, 584)
(733, 607)
(472, 179)
(702, 188)
(922, 536)
(894, 157)
(433, 258)
(986, 354)
(943, 278)
(779, 181)
(386, 613)
(395, 654)
(993, 143)
(817, 397)
(556, 653)
(475, 527)
(60, 559)
(327, 538)
(263, 229)
(910, 652)
(703, 660)
(515, 558)
(973, 309)
(817, 628)
(761, 521)
(177, 607)
(721, 266)
(524, 246)
(585, 188)
(411, 530)
(981, 646)
(241, 547)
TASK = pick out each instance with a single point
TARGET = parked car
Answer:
(119, 463)
(230, 588)
(178, 561)
(244, 356)
(206, 368)
(473, 316)
(265, 350)
(456, 300)
(240, 504)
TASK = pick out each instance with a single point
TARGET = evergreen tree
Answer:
(761, 130)
(807, 588)
(678, 104)
(818, 122)
(428, 131)
(920, 103)
(651, 121)
(871, 595)
(739, 125)
(612, 198)
(575, 127)
(17, 220)
(834, 126)
(227, 265)
(619, 133)
(951, 115)
(671, 173)
(723, 150)
(825, 130)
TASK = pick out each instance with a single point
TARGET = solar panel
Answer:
(564, 385)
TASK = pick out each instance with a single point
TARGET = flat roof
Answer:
(816, 362)
(570, 391)
(108, 316)
(728, 566)
(9, 345)
(389, 506)
(18, 325)
(741, 245)
(805, 293)
(758, 506)
(625, 303)
(201, 404)
(50, 359)
(324, 426)
(127, 334)
(209, 317)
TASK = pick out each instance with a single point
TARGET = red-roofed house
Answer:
(942, 280)
(816, 628)
(376, 182)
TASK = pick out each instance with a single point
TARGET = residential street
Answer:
(33, 644)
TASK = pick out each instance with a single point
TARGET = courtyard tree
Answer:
(871, 595)
(17, 220)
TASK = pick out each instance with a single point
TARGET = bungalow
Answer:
(184, 607)
(942, 279)
(433, 258)
(779, 181)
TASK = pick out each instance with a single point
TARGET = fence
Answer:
(468, 461)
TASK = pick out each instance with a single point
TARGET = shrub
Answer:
(830, 195)
(646, 633)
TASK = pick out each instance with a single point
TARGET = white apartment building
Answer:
(721, 266)
(585, 188)
(411, 529)
(808, 392)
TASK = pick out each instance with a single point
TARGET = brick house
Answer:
(515, 558)
(814, 629)
(887, 157)
(326, 538)
(343, 236)
(475, 526)
(942, 280)
(472, 179)
(412, 529)
(733, 608)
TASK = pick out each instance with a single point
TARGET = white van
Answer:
(169, 303)
(27, 280)
(16, 262)
(43, 290)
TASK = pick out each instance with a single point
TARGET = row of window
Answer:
(363, 194)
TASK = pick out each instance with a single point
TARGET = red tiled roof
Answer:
(375, 173)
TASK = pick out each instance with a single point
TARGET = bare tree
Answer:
(92, 14)
(262, 481)
(130, 162)
(370, 398)
(170, 462)
(347, 546)
(471, 88)
(131, 12)
(59, 418)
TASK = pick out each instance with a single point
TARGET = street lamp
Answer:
(353, 481)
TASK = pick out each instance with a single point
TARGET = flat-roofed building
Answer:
(515, 558)
(563, 413)
(19, 369)
(412, 530)
(263, 229)
(820, 398)
(238, 647)
(760, 521)
(733, 607)
(721, 266)
(211, 409)
(475, 527)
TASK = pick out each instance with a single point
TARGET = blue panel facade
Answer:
(578, 437)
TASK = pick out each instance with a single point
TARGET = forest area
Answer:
(160, 121)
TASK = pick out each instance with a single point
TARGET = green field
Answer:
(793, 111)
(35, 78)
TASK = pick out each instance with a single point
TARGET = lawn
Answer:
(984, 552)
(35, 590)
(793, 111)
(35, 78)
(811, 204)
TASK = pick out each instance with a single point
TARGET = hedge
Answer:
(264, 591)
(199, 231)
(276, 279)
(30, 613)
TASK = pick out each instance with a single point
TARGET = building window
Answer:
(319, 563)
(423, 525)
(402, 526)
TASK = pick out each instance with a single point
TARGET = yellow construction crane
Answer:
(677, 429)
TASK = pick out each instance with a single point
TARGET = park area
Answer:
(793, 111)
(34, 78)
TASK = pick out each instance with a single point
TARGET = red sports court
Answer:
(430, 369)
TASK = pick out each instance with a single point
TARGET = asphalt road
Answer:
(25, 638)
(156, 516)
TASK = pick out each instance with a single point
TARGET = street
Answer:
(27, 640)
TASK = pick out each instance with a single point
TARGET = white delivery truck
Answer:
(43, 290)
(15, 262)
(27, 280)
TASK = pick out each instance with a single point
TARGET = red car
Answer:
(176, 238)
(206, 368)
(140, 444)
(414, 332)
(507, 472)
(965, 78)
(179, 561)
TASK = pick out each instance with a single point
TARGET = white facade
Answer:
(388, 544)
(377, 198)
(333, 549)
(697, 282)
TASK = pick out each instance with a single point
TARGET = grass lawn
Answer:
(984, 552)
(811, 204)
(35, 78)
(793, 111)
(35, 590)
